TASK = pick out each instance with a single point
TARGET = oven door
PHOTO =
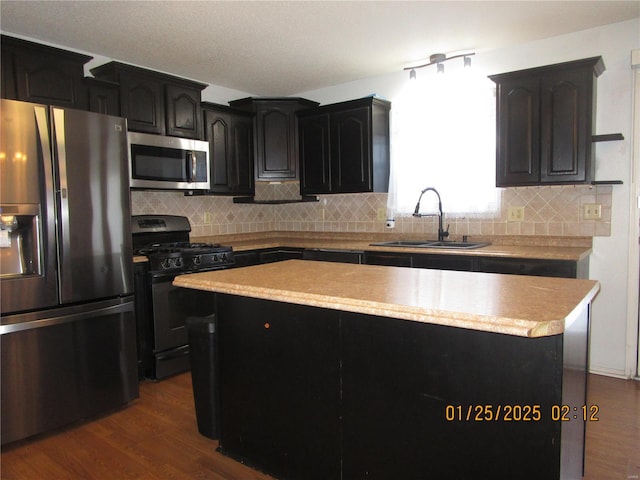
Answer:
(171, 308)
(169, 316)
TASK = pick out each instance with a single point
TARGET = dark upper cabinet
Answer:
(37, 73)
(315, 156)
(545, 121)
(230, 136)
(276, 135)
(154, 102)
(344, 147)
(104, 97)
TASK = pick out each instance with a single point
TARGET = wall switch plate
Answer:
(592, 211)
(382, 214)
(207, 218)
(515, 214)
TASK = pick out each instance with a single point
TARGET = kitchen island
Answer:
(332, 370)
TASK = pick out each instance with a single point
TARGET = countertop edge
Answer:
(480, 322)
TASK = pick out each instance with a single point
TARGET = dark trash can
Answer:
(204, 378)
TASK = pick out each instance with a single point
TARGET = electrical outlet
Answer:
(515, 214)
(592, 211)
(382, 214)
(207, 218)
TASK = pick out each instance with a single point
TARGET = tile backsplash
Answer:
(552, 211)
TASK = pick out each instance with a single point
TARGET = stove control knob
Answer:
(178, 262)
(215, 257)
(166, 263)
(197, 260)
(223, 257)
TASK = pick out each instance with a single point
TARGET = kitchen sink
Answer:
(431, 244)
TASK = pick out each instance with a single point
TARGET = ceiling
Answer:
(287, 47)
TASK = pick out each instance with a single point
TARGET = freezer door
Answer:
(28, 277)
(65, 364)
(94, 231)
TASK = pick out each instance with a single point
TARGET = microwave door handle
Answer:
(191, 166)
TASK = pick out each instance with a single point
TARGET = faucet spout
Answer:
(442, 233)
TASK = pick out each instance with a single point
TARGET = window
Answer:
(443, 136)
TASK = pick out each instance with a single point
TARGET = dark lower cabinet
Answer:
(280, 387)
(407, 387)
(543, 268)
(279, 254)
(516, 266)
(444, 262)
(388, 259)
(314, 393)
(333, 255)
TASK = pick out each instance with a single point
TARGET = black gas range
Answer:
(162, 309)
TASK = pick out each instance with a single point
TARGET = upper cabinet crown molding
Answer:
(545, 124)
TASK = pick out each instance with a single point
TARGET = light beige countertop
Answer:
(546, 248)
(525, 306)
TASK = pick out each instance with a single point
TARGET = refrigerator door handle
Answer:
(64, 254)
(67, 318)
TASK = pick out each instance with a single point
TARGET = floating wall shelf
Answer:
(607, 138)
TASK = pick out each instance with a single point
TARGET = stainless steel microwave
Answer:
(168, 163)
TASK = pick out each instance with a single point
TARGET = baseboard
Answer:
(608, 372)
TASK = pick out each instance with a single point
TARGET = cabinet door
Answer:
(40, 76)
(351, 151)
(565, 103)
(280, 386)
(142, 103)
(518, 142)
(443, 262)
(230, 138)
(183, 111)
(277, 146)
(315, 169)
(242, 154)
(279, 254)
(522, 266)
(104, 97)
(217, 131)
(388, 259)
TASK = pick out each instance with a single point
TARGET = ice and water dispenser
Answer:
(20, 240)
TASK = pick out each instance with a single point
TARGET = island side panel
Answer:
(574, 411)
(402, 378)
(280, 387)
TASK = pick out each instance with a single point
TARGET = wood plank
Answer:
(156, 438)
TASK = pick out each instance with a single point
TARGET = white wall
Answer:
(609, 262)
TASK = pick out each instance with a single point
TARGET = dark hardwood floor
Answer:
(156, 438)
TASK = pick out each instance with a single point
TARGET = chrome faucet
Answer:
(442, 233)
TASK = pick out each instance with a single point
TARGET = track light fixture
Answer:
(439, 59)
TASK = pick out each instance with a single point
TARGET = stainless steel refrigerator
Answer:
(67, 324)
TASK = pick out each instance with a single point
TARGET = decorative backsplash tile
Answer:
(553, 211)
